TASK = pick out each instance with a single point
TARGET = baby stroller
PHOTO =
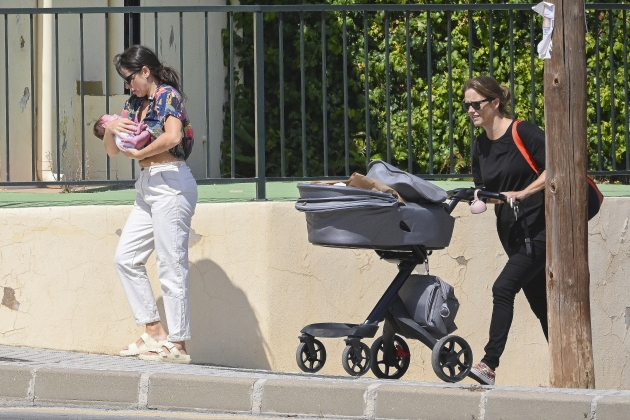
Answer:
(421, 307)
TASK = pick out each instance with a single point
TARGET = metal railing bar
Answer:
(611, 53)
(532, 54)
(388, 121)
(346, 123)
(324, 94)
(491, 42)
(181, 50)
(449, 43)
(155, 31)
(259, 99)
(283, 158)
(366, 64)
(131, 42)
(598, 90)
(625, 78)
(303, 95)
(430, 92)
(57, 98)
(6, 95)
(408, 68)
(32, 94)
(107, 64)
(471, 126)
(82, 95)
(511, 30)
(207, 82)
(232, 99)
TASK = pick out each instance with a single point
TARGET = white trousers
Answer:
(165, 203)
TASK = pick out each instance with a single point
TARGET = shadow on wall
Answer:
(225, 330)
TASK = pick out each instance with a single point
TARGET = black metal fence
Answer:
(392, 94)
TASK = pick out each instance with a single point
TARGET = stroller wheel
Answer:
(451, 358)
(311, 363)
(356, 363)
(397, 364)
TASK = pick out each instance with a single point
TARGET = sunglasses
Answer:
(475, 104)
(130, 77)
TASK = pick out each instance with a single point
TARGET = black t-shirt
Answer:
(499, 166)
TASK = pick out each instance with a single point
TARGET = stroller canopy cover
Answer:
(410, 187)
(344, 216)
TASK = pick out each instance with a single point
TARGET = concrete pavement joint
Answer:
(370, 400)
(483, 401)
(257, 396)
(30, 393)
(143, 391)
(593, 415)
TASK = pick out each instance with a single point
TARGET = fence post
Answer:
(259, 89)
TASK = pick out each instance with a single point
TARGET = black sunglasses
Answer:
(128, 79)
(475, 104)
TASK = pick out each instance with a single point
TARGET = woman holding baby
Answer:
(166, 196)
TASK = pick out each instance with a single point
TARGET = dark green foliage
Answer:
(435, 127)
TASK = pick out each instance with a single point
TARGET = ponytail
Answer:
(169, 76)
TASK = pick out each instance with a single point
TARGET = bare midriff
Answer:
(158, 159)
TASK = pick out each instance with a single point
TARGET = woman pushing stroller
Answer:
(498, 165)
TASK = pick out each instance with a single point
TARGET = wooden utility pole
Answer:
(568, 298)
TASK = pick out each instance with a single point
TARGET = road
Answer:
(31, 413)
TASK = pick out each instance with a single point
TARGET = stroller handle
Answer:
(468, 194)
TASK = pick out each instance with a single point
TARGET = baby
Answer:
(135, 140)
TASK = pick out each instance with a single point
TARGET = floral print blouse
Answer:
(166, 101)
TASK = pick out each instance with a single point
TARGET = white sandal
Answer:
(159, 355)
(148, 343)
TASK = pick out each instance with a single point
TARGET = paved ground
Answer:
(35, 378)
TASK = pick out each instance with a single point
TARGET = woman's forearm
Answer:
(109, 141)
(164, 142)
(537, 185)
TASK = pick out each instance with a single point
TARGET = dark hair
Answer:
(99, 129)
(487, 86)
(136, 57)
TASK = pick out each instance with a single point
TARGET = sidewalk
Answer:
(37, 377)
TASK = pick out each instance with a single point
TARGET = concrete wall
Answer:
(256, 281)
(67, 128)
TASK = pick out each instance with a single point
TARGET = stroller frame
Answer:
(451, 356)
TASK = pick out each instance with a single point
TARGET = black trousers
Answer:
(521, 272)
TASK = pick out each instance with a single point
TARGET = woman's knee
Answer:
(503, 290)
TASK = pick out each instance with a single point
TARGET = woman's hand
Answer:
(532, 188)
(131, 153)
(120, 126)
(114, 128)
(517, 195)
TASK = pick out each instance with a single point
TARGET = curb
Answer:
(303, 396)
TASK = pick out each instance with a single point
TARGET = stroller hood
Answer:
(410, 187)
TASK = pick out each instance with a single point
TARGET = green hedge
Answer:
(437, 130)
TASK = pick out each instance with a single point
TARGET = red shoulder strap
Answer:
(532, 164)
(522, 148)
